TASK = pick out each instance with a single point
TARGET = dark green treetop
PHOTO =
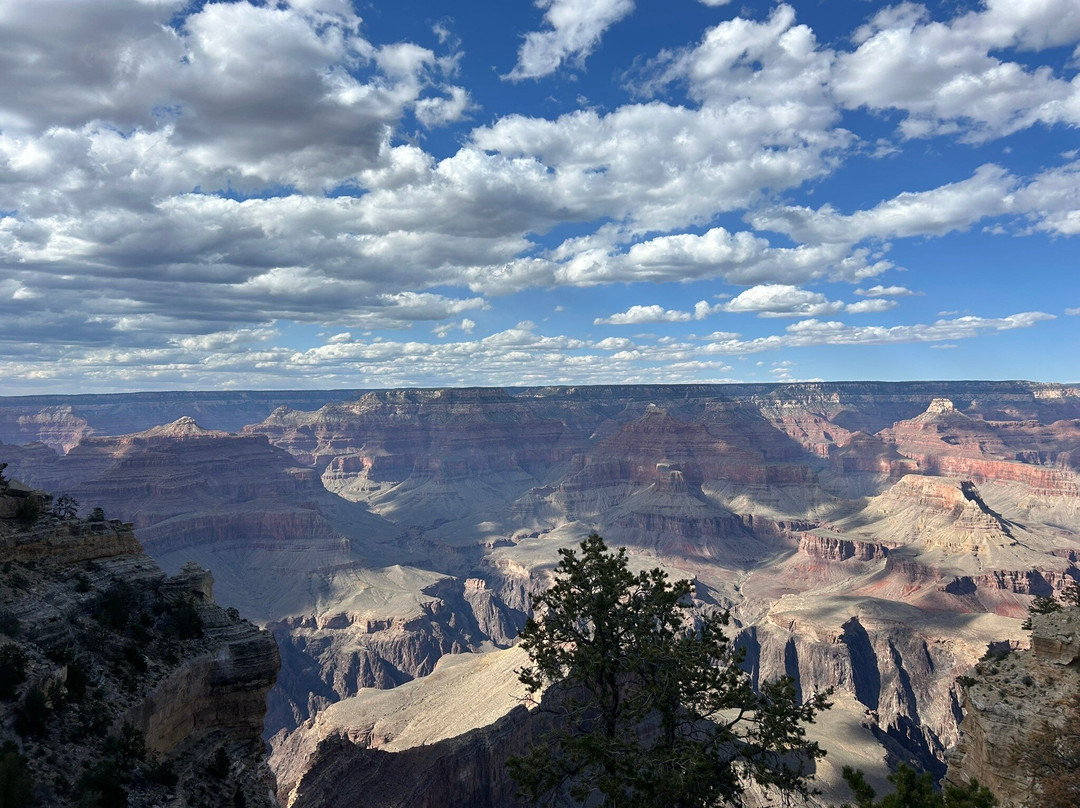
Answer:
(647, 706)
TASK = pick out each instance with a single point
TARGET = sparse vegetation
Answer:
(29, 511)
(65, 507)
(914, 790)
(32, 716)
(621, 654)
(218, 767)
(13, 660)
(1041, 605)
(16, 781)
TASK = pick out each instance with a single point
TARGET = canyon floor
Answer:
(873, 538)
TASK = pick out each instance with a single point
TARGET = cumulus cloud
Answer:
(807, 333)
(782, 300)
(574, 30)
(636, 315)
(947, 76)
(954, 206)
(886, 291)
(192, 178)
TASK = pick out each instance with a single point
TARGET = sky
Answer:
(330, 194)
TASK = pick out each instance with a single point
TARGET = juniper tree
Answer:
(646, 705)
(914, 790)
(1041, 605)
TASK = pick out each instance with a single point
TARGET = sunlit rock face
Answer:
(1010, 696)
(870, 537)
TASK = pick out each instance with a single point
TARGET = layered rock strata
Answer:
(1009, 699)
(122, 682)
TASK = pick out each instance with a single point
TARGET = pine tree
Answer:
(648, 707)
(913, 790)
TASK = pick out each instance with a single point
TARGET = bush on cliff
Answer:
(16, 782)
(915, 790)
(650, 708)
(13, 661)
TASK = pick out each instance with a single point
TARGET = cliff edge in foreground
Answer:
(118, 682)
(1019, 732)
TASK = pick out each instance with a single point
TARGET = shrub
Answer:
(16, 782)
(9, 623)
(134, 657)
(126, 749)
(13, 661)
(117, 604)
(32, 717)
(78, 678)
(184, 621)
(218, 767)
(162, 773)
(29, 511)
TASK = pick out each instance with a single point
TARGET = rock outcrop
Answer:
(1014, 699)
(378, 534)
(122, 681)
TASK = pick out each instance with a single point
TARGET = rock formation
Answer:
(871, 537)
(120, 684)
(1010, 698)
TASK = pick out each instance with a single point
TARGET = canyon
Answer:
(876, 538)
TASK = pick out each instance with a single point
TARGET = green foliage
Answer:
(162, 773)
(914, 790)
(13, 660)
(97, 514)
(185, 622)
(1071, 594)
(133, 656)
(117, 604)
(102, 786)
(1041, 605)
(32, 716)
(648, 708)
(65, 507)
(29, 511)
(16, 782)
(218, 767)
(126, 749)
(78, 679)
(9, 623)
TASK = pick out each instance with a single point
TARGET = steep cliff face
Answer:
(382, 629)
(1008, 698)
(443, 740)
(821, 514)
(121, 681)
(234, 503)
(61, 421)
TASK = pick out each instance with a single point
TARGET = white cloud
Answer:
(1052, 200)
(782, 300)
(886, 291)
(955, 206)
(575, 28)
(870, 306)
(806, 333)
(644, 314)
(948, 77)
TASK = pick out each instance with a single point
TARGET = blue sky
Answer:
(320, 193)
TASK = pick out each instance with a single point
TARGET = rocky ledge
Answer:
(120, 685)
(1014, 700)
